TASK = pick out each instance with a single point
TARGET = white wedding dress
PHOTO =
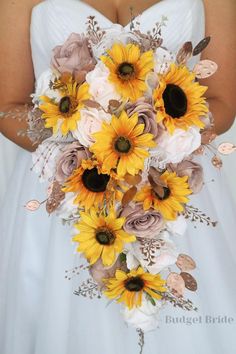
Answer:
(39, 314)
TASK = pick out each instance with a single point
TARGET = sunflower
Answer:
(122, 144)
(129, 287)
(101, 236)
(92, 186)
(178, 99)
(66, 112)
(128, 69)
(173, 197)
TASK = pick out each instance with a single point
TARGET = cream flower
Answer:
(174, 148)
(145, 317)
(90, 122)
(100, 88)
(163, 252)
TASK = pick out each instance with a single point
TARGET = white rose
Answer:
(178, 226)
(131, 261)
(162, 60)
(42, 87)
(67, 207)
(100, 88)
(110, 37)
(174, 148)
(45, 167)
(163, 253)
(144, 317)
(45, 156)
(89, 123)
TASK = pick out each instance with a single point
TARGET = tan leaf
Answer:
(185, 263)
(205, 68)
(32, 205)
(217, 162)
(184, 53)
(91, 104)
(55, 198)
(226, 148)
(65, 77)
(129, 196)
(159, 190)
(176, 284)
(114, 103)
(133, 180)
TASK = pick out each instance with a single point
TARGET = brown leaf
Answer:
(114, 103)
(184, 53)
(80, 77)
(159, 190)
(129, 196)
(201, 45)
(55, 198)
(133, 180)
(185, 263)
(91, 104)
(217, 162)
(154, 178)
(65, 77)
(189, 281)
(176, 284)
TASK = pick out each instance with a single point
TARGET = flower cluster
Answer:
(124, 121)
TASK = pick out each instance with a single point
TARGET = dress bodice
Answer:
(53, 20)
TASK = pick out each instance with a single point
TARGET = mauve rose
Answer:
(70, 159)
(99, 272)
(146, 115)
(73, 56)
(193, 170)
(142, 223)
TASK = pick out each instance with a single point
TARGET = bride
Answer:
(38, 312)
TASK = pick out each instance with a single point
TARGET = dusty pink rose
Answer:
(73, 56)
(146, 115)
(99, 272)
(193, 170)
(142, 223)
(70, 159)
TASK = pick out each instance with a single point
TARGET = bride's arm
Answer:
(16, 69)
(221, 25)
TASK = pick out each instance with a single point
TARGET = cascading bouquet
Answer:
(120, 121)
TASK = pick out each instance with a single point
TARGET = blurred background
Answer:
(8, 153)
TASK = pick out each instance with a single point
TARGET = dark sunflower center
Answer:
(134, 284)
(175, 101)
(94, 181)
(105, 237)
(122, 145)
(126, 70)
(166, 194)
(65, 104)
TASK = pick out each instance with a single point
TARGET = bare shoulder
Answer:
(16, 5)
